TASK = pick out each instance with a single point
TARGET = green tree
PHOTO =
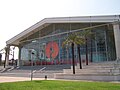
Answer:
(87, 35)
(6, 51)
(72, 40)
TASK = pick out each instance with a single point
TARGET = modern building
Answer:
(42, 42)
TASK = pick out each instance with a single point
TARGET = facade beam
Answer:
(116, 29)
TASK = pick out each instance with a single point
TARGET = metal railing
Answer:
(34, 71)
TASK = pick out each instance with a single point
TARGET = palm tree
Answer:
(74, 39)
(6, 51)
(3, 52)
(79, 55)
(86, 34)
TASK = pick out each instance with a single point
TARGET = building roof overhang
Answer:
(43, 23)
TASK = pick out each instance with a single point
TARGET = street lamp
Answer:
(32, 53)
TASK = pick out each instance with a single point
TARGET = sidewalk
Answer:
(1, 67)
(4, 79)
(16, 79)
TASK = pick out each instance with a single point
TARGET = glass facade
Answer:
(44, 47)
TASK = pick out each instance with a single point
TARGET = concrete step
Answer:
(93, 71)
(97, 65)
(93, 67)
(115, 71)
(87, 71)
(91, 77)
(27, 73)
(36, 75)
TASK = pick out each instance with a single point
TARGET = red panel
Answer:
(52, 49)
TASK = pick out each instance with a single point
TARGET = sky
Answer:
(18, 15)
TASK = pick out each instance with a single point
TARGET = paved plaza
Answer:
(16, 79)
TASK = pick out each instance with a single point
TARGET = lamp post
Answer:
(32, 53)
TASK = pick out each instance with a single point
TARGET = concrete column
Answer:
(116, 28)
(19, 57)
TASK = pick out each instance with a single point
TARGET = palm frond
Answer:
(74, 38)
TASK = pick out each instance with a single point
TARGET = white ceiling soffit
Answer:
(81, 19)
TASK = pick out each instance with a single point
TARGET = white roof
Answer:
(43, 23)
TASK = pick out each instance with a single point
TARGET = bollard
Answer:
(45, 77)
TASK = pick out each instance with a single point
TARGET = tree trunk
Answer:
(73, 61)
(5, 58)
(6, 55)
(91, 52)
(86, 53)
(79, 55)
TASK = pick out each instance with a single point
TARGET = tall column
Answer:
(19, 57)
(116, 28)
